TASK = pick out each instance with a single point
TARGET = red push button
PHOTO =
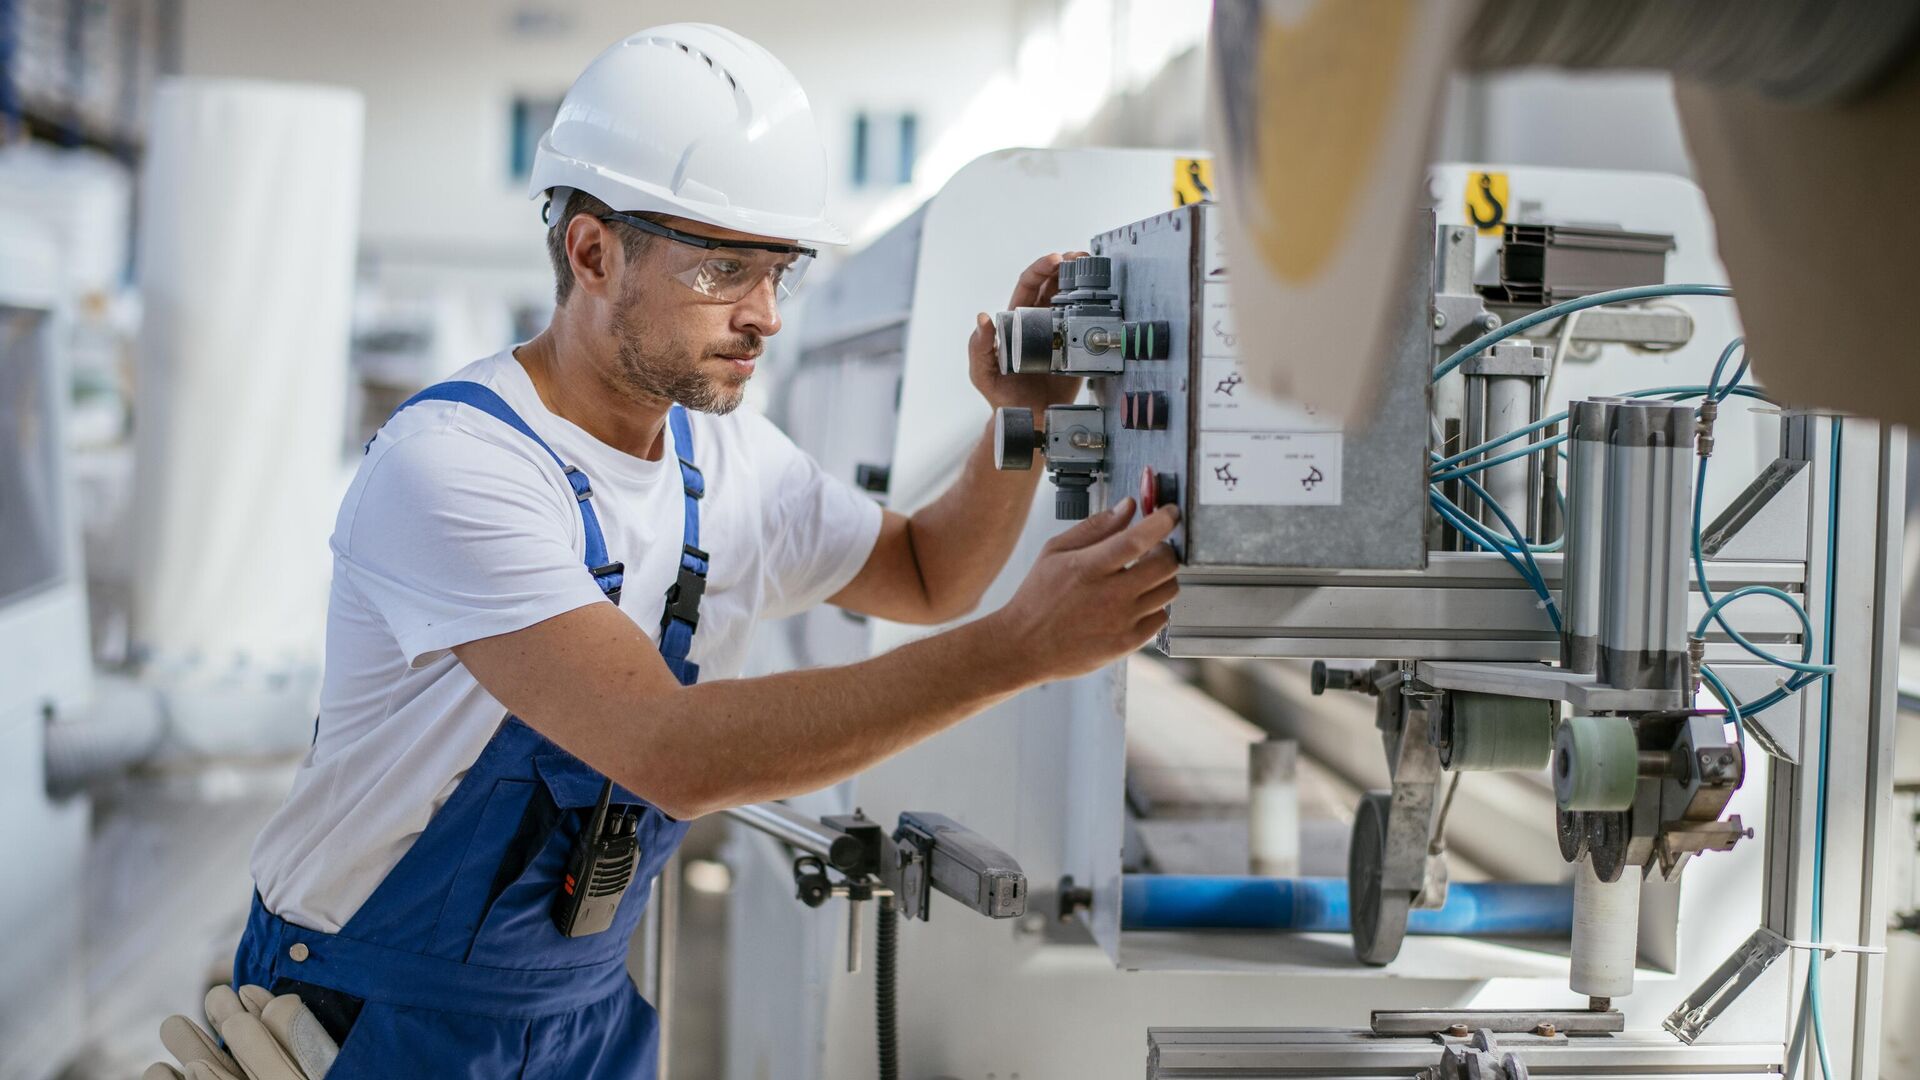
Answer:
(1157, 490)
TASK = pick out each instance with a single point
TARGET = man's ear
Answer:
(590, 253)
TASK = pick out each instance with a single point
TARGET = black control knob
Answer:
(1324, 678)
(1072, 500)
(1014, 439)
(1093, 272)
(1027, 340)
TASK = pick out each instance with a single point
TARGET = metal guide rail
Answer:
(1325, 1054)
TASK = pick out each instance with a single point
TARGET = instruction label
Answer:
(1270, 468)
(1255, 450)
(1229, 403)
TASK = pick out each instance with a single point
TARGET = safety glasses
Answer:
(726, 270)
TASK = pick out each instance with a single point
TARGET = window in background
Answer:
(31, 552)
(885, 146)
(530, 119)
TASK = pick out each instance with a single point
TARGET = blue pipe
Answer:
(1319, 906)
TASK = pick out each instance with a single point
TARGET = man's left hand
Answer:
(1036, 287)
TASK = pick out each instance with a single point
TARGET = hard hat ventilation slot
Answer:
(712, 65)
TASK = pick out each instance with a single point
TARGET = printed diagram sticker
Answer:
(1266, 468)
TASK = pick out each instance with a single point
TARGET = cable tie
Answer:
(1828, 948)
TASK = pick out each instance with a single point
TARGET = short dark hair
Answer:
(579, 202)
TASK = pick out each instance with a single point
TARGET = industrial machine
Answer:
(1607, 692)
(45, 663)
(1568, 547)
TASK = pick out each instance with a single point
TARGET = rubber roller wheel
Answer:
(1379, 915)
(1596, 763)
(1494, 733)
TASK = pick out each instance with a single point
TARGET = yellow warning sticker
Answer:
(1192, 180)
(1487, 201)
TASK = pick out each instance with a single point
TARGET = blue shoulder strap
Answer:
(683, 597)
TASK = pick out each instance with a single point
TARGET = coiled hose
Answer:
(886, 968)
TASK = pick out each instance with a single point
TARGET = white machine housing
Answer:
(45, 663)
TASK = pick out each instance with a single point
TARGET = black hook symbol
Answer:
(1199, 186)
(1499, 208)
(1313, 477)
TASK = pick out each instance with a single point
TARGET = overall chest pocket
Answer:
(513, 925)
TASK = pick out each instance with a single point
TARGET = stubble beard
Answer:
(665, 369)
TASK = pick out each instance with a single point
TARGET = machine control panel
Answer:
(1261, 483)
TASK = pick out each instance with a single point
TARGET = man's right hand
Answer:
(1097, 592)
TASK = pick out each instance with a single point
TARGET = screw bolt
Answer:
(1458, 1031)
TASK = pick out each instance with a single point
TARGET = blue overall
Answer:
(454, 967)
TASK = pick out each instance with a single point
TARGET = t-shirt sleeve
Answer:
(454, 538)
(819, 528)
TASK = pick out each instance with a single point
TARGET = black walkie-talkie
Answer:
(598, 871)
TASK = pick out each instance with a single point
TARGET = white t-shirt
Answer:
(458, 527)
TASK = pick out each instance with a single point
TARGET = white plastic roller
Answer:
(1606, 932)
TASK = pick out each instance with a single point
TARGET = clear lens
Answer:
(730, 274)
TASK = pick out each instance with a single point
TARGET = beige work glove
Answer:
(269, 1038)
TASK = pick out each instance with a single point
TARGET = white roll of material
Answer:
(1606, 932)
(1273, 808)
(248, 230)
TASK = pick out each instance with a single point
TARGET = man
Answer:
(499, 746)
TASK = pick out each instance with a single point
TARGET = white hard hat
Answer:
(698, 122)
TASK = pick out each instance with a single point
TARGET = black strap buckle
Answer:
(617, 571)
(683, 596)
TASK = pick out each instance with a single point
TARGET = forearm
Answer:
(737, 741)
(962, 539)
(592, 681)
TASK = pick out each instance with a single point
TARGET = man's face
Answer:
(673, 342)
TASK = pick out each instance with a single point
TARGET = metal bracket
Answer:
(1701, 1008)
(1583, 692)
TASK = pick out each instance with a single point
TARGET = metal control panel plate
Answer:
(1261, 483)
